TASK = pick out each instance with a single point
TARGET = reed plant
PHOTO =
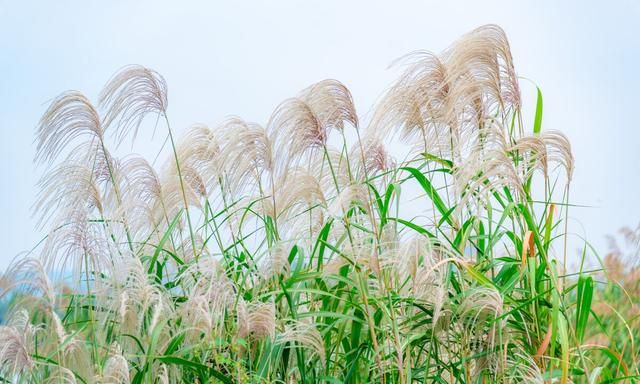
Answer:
(427, 244)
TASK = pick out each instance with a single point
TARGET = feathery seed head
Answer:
(133, 93)
(69, 117)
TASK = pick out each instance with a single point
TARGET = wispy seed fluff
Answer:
(16, 345)
(256, 320)
(116, 369)
(132, 94)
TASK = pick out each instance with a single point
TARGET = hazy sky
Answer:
(242, 58)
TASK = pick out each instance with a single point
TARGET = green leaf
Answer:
(431, 191)
(385, 206)
(478, 276)
(175, 342)
(448, 164)
(164, 239)
(585, 295)
(463, 235)
(321, 244)
(537, 123)
(563, 335)
(413, 226)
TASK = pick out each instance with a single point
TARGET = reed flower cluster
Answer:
(426, 244)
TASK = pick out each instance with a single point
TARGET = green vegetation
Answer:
(303, 251)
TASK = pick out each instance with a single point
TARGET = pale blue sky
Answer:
(243, 58)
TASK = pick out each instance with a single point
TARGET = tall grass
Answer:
(304, 250)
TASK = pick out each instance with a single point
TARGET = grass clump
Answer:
(304, 250)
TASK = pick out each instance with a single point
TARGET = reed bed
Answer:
(428, 244)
